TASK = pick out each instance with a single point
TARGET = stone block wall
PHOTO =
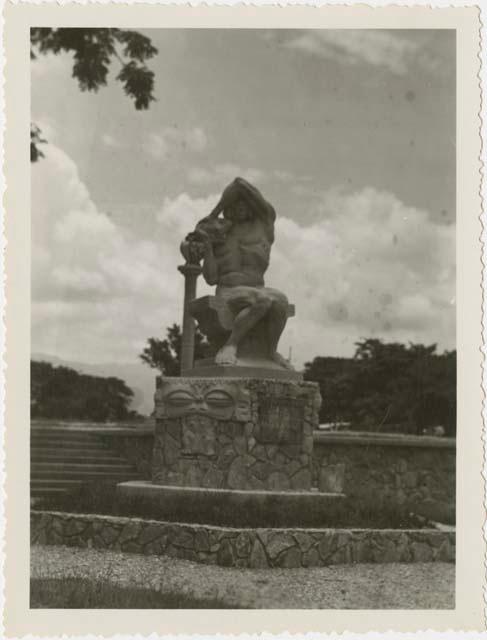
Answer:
(241, 433)
(418, 471)
(246, 548)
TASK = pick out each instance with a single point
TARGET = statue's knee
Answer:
(263, 304)
(277, 297)
(280, 303)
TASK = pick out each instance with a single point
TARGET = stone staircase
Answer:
(64, 458)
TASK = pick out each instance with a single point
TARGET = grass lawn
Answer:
(84, 593)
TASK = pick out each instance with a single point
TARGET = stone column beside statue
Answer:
(190, 272)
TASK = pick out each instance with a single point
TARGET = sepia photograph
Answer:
(243, 333)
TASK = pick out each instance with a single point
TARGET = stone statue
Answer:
(235, 250)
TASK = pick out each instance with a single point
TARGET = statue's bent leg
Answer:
(276, 321)
(249, 308)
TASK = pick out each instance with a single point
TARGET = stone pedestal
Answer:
(254, 368)
(235, 433)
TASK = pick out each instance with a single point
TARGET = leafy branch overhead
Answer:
(35, 140)
(93, 52)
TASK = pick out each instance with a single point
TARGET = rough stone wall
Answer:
(137, 449)
(401, 471)
(362, 467)
(235, 433)
(247, 548)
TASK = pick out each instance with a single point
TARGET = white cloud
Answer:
(79, 280)
(98, 292)
(224, 172)
(156, 146)
(110, 141)
(171, 139)
(196, 139)
(375, 47)
(197, 175)
(51, 63)
(367, 265)
(179, 215)
(285, 176)
(227, 171)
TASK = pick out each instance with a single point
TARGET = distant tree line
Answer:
(388, 387)
(61, 393)
(384, 387)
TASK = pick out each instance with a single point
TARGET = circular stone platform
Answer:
(227, 507)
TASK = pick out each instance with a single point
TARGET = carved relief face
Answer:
(216, 403)
(216, 399)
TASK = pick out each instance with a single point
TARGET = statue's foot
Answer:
(280, 360)
(227, 355)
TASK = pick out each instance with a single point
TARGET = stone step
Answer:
(48, 441)
(65, 433)
(62, 460)
(88, 474)
(62, 484)
(57, 433)
(75, 456)
(79, 466)
(43, 492)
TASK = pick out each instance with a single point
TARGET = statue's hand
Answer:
(199, 236)
(192, 251)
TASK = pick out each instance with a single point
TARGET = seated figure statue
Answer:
(235, 250)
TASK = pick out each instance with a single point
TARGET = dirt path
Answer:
(361, 586)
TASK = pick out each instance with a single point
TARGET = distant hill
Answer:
(137, 376)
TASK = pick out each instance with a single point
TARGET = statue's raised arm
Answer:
(256, 200)
(240, 189)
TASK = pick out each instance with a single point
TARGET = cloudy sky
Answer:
(350, 134)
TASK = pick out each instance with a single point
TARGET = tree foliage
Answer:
(164, 355)
(93, 52)
(388, 386)
(61, 393)
(35, 140)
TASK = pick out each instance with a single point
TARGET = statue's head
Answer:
(238, 211)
